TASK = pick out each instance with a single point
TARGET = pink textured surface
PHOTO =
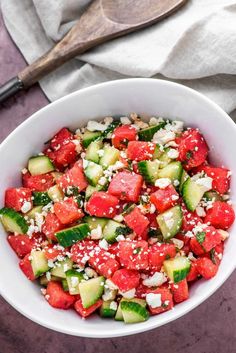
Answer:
(209, 328)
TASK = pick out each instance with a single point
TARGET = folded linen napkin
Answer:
(196, 47)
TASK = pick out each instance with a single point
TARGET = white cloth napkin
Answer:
(196, 47)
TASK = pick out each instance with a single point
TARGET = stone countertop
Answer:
(209, 328)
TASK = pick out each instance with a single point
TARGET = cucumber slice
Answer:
(192, 194)
(94, 222)
(89, 137)
(157, 152)
(106, 310)
(111, 231)
(92, 151)
(93, 173)
(40, 198)
(119, 315)
(40, 165)
(73, 279)
(111, 156)
(212, 196)
(35, 210)
(61, 267)
(111, 127)
(65, 285)
(44, 281)
(39, 262)
(165, 159)
(149, 170)
(133, 312)
(147, 134)
(91, 189)
(170, 222)
(91, 290)
(178, 268)
(173, 171)
(184, 177)
(69, 236)
(55, 193)
(13, 221)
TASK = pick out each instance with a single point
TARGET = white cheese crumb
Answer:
(224, 234)
(153, 300)
(125, 121)
(200, 211)
(109, 294)
(128, 294)
(102, 181)
(206, 183)
(109, 284)
(96, 233)
(163, 136)
(108, 120)
(24, 171)
(103, 244)
(155, 280)
(100, 153)
(162, 183)
(152, 209)
(90, 272)
(74, 281)
(118, 218)
(26, 207)
(85, 163)
(154, 121)
(120, 237)
(173, 153)
(178, 243)
(113, 306)
(48, 276)
(95, 126)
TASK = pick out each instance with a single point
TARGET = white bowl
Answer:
(144, 96)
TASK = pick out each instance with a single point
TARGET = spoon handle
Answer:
(10, 88)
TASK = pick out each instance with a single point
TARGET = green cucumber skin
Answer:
(140, 313)
(172, 171)
(65, 285)
(105, 310)
(87, 291)
(92, 151)
(69, 236)
(180, 275)
(191, 201)
(89, 137)
(34, 168)
(40, 198)
(16, 217)
(147, 134)
(111, 128)
(150, 176)
(176, 228)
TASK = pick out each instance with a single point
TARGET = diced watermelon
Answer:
(114, 249)
(80, 251)
(192, 148)
(193, 273)
(103, 263)
(51, 225)
(164, 198)
(64, 156)
(190, 219)
(134, 254)
(21, 244)
(51, 252)
(126, 279)
(180, 291)
(141, 291)
(126, 186)
(220, 176)
(166, 300)
(26, 268)
(136, 221)
(160, 252)
(62, 137)
(221, 215)
(73, 177)
(16, 197)
(205, 240)
(140, 150)
(68, 211)
(57, 297)
(206, 268)
(86, 312)
(122, 135)
(101, 204)
(38, 182)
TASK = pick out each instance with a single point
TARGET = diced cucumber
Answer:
(39, 262)
(212, 196)
(173, 171)
(91, 189)
(149, 170)
(177, 269)
(40, 198)
(170, 222)
(65, 285)
(106, 310)
(13, 221)
(44, 281)
(133, 312)
(92, 151)
(93, 173)
(40, 165)
(91, 290)
(73, 279)
(147, 134)
(61, 267)
(184, 177)
(111, 127)
(69, 236)
(55, 193)
(119, 315)
(164, 158)
(94, 222)
(32, 213)
(89, 137)
(157, 152)
(192, 194)
(111, 231)
(111, 156)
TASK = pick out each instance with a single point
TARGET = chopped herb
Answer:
(213, 256)
(79, 200)
(164, 306)
(201, 237)
(189, 154)
(123, 231)
(128, 208)
(110, 128)
(72, 191)
(167, 257)
(137, 250)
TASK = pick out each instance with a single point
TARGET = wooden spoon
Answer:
(103, 20)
